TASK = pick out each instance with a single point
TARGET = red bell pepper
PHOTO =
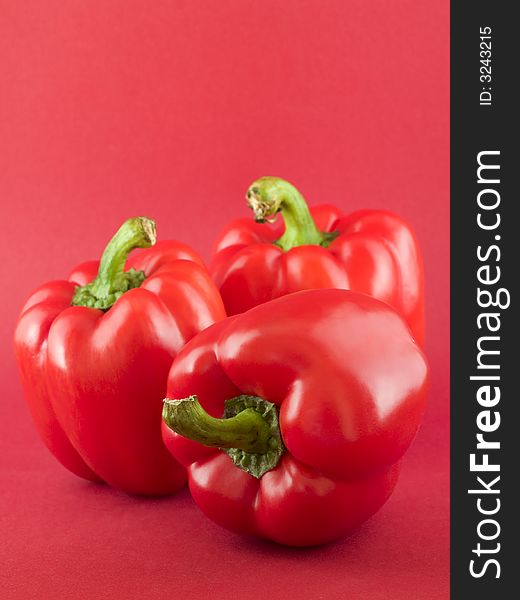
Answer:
(322, 392)
(94, 352)
(369, 251)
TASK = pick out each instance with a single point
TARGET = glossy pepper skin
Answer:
(348, 384)
(95, 378)
(369, 251)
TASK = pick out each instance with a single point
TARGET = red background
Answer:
(170, 109)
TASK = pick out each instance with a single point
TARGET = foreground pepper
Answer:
(369, 251)
(321, 392)
(94, 352)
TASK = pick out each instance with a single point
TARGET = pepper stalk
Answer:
(249, 432)
(269, 196)
(112, 280)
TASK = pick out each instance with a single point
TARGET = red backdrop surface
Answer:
(170, 109)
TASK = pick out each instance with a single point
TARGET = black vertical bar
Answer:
(483, 120)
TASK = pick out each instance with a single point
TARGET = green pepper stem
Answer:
(268, 196)
(112, 281)
(247, 431)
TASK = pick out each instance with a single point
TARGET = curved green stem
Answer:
(247, 430)
(112, 280)
(268, 196)
(248, 433)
